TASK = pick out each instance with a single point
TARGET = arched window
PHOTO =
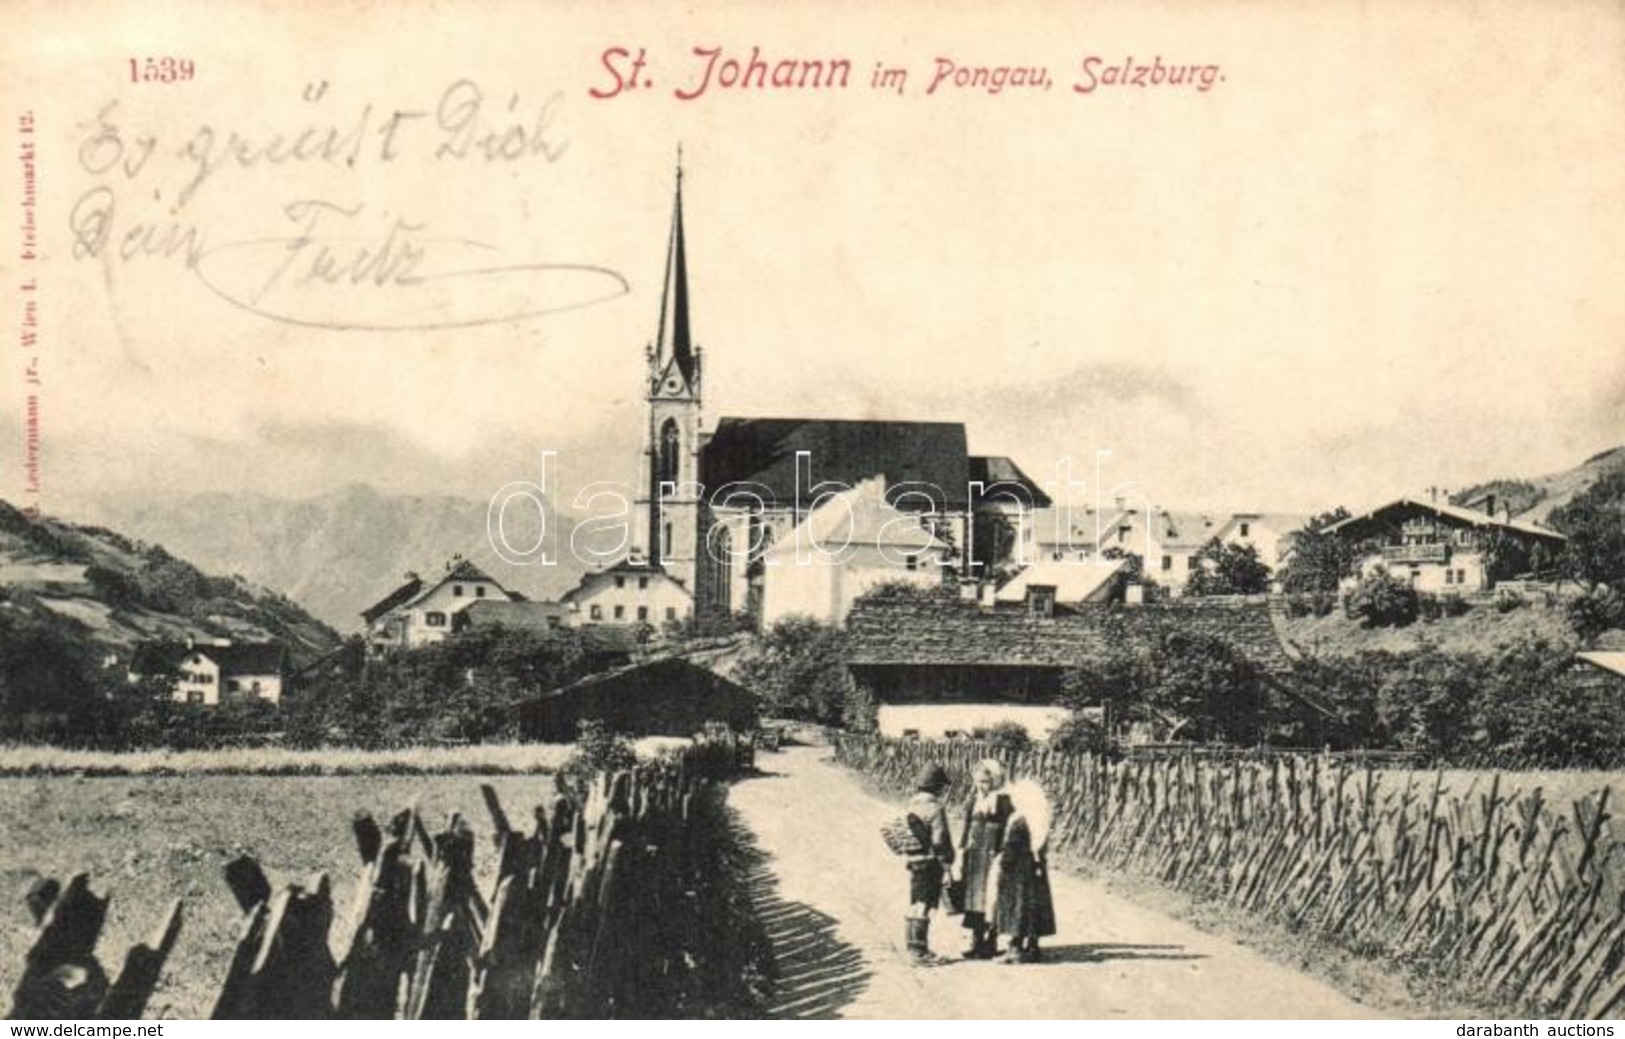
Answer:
(666, 469)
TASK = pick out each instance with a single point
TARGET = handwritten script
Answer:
(326, 262)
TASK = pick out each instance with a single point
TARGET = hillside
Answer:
(1538, 497)
(105, 591)
(1481, 630)
(336, 553)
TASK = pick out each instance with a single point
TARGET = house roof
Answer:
(1607, 660)
(623, 568)
(1074, 581)
(1003, 474)
(1467, 517)
(762, 451)
(490, 613)
(416, 588)
(859, 517)
(896, 631)
(399, 597)
(238, 658)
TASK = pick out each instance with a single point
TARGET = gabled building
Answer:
(715, 503)
(421, 612)
(214, 673)
(630, 592)
(847, 546)
(1167, 540)
(936, 666)
(1445, 548)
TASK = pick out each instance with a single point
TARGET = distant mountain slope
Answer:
(107, 591)
(1537, 497)
(339, 552)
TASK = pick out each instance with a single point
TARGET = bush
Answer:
(598, 749)
(1382, 600)
(1595, 612)
(1506, 602)
(1011, 736)
(1079, 733)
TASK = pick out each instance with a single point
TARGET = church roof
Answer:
(762, 451)
(673, 341)
(1001, 472)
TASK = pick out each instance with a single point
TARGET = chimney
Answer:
(1489, 505)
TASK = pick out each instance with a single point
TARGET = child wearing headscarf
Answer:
(981, 839)
(1024, 911)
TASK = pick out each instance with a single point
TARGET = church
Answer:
(773, 516)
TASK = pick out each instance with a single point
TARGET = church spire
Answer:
(673, 342)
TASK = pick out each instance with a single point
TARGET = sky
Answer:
(1381, 252)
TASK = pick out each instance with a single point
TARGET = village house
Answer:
(941, 666)
(1444, 548)
(1166, 540)
(717, 502)
(669, 696)
(421, 612)
(844, 548)
(214, 673)
(515, 615)
(630, 592)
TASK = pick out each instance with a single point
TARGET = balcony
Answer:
(1434, 553)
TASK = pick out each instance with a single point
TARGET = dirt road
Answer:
(831, 895)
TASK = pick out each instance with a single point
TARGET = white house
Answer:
(421, 612)
(1167, 540)
(852, 542)
(219, 672)
(632, 591)
(1443, 548)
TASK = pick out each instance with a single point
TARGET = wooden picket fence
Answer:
(614, 903)
(1518, 896)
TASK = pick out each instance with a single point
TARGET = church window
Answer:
(667, 469)
(1167, 562)
(665, 541)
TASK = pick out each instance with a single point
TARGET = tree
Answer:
(799, 671)
(1319, 561)
(1215, 691)
(1382, 600)
(1595, 524)
(1221, 568)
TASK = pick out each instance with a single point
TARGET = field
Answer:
(147, 840)
(479, 759)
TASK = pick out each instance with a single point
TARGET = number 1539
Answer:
(161, 70)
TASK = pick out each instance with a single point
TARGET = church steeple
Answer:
(674, 347)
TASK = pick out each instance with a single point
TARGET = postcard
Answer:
(403, 399)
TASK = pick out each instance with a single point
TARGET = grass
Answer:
(147, 840)
(473, 759)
